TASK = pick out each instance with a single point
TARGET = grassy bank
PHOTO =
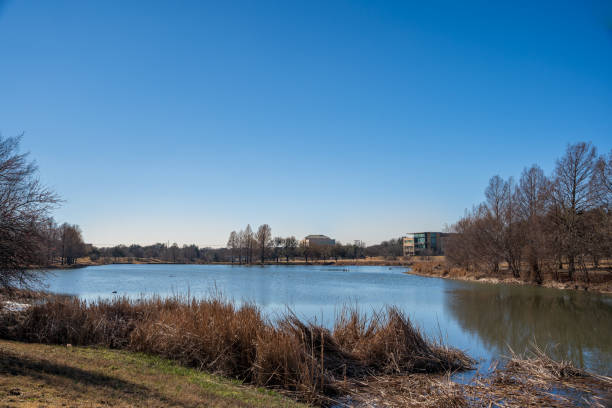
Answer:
(600, 279)
(34, 375)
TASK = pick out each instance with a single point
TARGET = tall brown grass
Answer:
(302, 358)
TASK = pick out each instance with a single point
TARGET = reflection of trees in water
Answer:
(579, 325)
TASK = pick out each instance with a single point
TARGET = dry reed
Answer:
(538, 380)
(306, 360)
(380, 360)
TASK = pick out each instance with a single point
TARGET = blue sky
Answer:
(180, 121)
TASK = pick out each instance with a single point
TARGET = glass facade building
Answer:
(424, 243)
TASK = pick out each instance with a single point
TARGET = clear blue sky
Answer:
(180, 121)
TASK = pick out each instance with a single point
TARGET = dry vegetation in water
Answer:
(537, 380)
(304, 360)
(532, 381)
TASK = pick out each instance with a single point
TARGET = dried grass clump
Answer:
(306, 360)
(303, 359)
(73, 321)
(413, 390)
(388, 343)
(533, 381)
(538, 380)
(540, 366)
(213, 335)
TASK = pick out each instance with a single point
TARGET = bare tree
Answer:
(50, 244)
(338, 251)
(247, 236)
(602, 185)
(278, 246)
(72, 243)
(533, 203)
(604, 188)
(233, 243)
(546, 222)
(24, 207)
(572, 195)
(173, 252)
(304, 250)
(492, 226)
(358, 247)
(513, 231)
(315, 251)
(264, 240)
(241, 246)
(290, 245)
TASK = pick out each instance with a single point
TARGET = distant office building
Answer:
(319, 240)
(424, 243)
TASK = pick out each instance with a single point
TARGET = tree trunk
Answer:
(535, 272)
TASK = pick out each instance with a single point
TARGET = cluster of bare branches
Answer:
(246, 246)
(541, 223)
(61, 244)
(24, 207)
(28, 235)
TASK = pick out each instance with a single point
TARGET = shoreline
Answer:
(340, 262)
(348, 370)
(431, 271)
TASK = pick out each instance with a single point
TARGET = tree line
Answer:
(171, 253)
(247, 247)
(541, 226)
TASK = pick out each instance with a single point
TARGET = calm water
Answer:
(482, 319)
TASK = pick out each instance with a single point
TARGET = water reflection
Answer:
(572, 325)
(479, 318)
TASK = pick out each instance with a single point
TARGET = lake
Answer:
(482, 319)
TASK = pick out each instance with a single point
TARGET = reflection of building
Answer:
(319, 240)
(424, 243)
